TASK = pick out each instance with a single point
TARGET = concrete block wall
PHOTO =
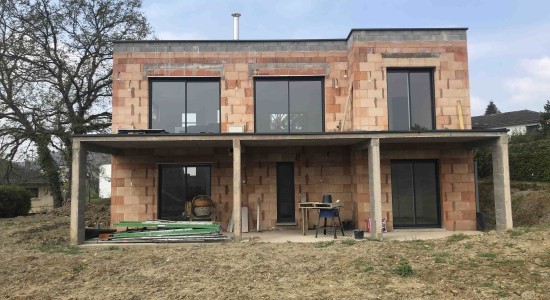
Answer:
(318, 171)
(362, 60)
(236, 70)
(369, 62)
(134, 181)
(456, 184)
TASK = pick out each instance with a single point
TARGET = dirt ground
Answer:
(37, 263)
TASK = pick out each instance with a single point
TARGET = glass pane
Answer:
(398, 100)
(285, 192)
(198, 181)
(421, 100)
(306, 106)
(168, 106)
(402, 193)
(203, 104)
(181, 183)
(172, 192)
(425, 186)
(271, 106)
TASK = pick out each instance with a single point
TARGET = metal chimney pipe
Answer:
(236, 25)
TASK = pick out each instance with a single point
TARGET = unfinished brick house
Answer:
(379, 120)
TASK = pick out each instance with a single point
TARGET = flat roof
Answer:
(425, 29)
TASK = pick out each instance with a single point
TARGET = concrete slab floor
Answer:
(296, 236)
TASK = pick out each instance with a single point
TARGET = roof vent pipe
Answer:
(236, 25)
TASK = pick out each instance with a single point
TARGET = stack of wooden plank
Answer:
(163, 231)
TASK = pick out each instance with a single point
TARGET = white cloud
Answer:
(538, 67)
(532, 85)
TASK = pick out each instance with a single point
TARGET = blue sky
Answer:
(509, 41)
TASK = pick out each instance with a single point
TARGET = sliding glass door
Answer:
(178, 184)
(415, 193)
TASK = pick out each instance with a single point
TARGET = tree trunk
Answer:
(49, 166)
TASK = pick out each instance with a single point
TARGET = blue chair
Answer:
(331, 213)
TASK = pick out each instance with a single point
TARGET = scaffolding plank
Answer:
(170, 232)
(168, 224)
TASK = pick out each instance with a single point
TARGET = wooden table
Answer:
(304, 206)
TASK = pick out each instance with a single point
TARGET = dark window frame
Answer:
(288, 79)
(185, 79)
(185, 165)
(409, 70)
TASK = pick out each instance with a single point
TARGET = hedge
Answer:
(14, 201)
(529, 160)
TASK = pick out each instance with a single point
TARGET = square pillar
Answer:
(375, 188)
(237, 188)
(501, 183)
(78, 193)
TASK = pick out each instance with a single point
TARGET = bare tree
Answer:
(56, 72)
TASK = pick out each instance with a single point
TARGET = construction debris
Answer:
(163, 231)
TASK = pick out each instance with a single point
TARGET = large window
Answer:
(289, 105)
(410, 99)
(180, 184)
(185, 105)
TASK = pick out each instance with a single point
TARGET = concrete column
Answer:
(375, 188)
(237, 182)
(78, 193)
(501, 183)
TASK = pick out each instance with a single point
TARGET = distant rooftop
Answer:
(520, 117)
(21, 174)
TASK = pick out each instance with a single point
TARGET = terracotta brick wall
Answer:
(339, 171)
(458, 190)
(236, 70)
(369, 62)
(318, 171)
(361, 61)
(456, 182)
(134, 181)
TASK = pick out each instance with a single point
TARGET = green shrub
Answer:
(14, 201)
(457, 237)
(349, 242)
(404, 268)
(363, 265)
(323, 244)
(529, 159)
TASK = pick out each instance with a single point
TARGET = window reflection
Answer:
(287, 105)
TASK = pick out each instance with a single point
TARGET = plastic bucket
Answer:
(358, 234)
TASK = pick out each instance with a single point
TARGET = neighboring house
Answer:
(379, 120)
(517, 122)
(33, 180)
(105, 181)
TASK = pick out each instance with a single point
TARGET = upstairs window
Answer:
(185, 105)
(410, 99)
(289, 105)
